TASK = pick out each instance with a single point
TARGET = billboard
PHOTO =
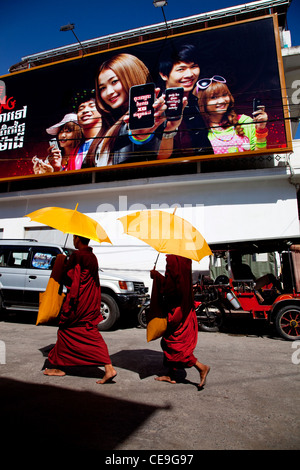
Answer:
(233, 104)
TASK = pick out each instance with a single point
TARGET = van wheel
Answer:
(287, 322)
(110, 312)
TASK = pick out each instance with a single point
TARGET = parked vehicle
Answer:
(25, 268)
(121, 297)
(221, 294)
(142, 314)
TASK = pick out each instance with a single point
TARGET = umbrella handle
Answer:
(156, 260)
(66, 239)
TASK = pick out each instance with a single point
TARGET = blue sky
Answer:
(31, 26)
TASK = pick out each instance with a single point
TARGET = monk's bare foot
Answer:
(55, 372)
(165, 378)
(106, 379)
(203, 376)
(110, 374)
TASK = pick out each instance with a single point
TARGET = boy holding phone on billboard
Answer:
(188, 135)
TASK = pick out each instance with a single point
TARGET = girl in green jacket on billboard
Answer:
(228, 131)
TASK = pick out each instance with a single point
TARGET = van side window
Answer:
(13, 257)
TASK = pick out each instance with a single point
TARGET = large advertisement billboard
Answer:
(233, 104)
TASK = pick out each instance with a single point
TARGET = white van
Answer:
(25, 268)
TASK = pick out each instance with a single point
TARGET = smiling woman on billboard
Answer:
(116, 143)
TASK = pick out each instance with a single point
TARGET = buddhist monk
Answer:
(79, 341)
(180, 339)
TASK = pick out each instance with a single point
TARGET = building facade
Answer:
(230, 199)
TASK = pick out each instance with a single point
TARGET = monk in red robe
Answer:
(180, 339)
(79, 341)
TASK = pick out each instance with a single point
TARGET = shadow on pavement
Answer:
(144, 362)
(36, 417)
(247, 326)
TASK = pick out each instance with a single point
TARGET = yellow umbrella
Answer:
(70, 221)
(166, 233)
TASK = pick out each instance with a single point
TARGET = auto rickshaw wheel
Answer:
(287, 322)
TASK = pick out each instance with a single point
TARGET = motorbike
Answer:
(142, 313)
(209, 311)
(209, 302)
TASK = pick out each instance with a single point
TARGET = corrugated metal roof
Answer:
(212, 18)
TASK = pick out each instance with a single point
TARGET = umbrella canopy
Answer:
(166, 233)
(70, 221)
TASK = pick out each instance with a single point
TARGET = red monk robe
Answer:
(180, 339)
(79, 341)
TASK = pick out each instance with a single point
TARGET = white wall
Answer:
(236, 205)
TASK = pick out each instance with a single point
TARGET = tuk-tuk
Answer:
(226, 291)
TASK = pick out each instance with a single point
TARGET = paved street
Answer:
(251, 400)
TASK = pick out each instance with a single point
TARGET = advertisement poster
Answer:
(74, 115)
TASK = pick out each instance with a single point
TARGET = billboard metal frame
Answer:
(192, 158)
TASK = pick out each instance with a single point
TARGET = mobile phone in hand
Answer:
(141, 111)
(53, 143)
(256, 104)
(174, 98)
